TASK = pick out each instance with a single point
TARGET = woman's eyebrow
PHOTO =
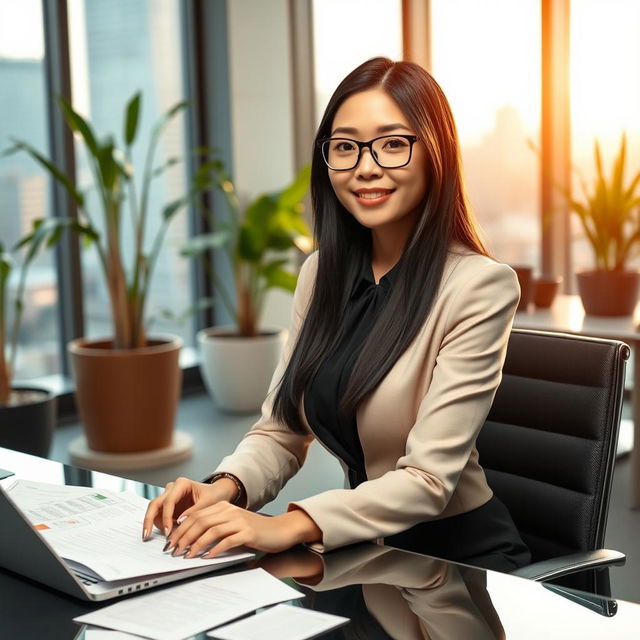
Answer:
(383, 129)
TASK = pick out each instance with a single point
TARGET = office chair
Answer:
(548, 448)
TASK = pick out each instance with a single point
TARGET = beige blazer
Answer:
(418, 428)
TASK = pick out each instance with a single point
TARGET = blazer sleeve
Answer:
(466, 375)
(270, 453)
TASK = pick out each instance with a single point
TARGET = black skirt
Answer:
(484, 537)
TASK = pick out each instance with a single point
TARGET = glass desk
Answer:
(387, 593)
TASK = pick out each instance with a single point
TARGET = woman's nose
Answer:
(367, 167)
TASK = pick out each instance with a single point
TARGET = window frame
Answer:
(206, 82)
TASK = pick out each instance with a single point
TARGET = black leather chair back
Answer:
(548, 445)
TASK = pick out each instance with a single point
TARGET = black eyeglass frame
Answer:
(411, 139)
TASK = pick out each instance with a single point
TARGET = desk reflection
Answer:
(389, 593)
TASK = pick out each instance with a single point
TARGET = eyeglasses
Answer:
(389, 152)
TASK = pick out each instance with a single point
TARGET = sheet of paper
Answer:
(282, 622)
(182, 611)
(103, 634)
(102, 530)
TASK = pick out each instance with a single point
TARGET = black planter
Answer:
(29, 427)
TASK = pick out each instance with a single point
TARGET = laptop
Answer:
(24, 550)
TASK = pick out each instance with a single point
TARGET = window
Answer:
(605, 97)
(118, 48)
(491, 76)
(24, 187)
(346, 34)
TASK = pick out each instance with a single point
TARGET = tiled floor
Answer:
(216, 434)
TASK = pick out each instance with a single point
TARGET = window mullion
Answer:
(555, 139)
(58, 83)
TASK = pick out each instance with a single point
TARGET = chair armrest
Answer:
(571, 563)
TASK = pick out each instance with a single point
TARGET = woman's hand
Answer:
(226, 526)
(180, 498)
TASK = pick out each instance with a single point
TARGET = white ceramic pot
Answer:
(236, 370)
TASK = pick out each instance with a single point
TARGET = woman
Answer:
(398, 336)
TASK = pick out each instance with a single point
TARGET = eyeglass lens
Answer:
(388, 151)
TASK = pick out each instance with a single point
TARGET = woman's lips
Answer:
(373, 197)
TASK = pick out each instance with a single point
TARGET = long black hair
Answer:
(343, 243)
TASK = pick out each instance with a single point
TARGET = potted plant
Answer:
(237, 362)
(27, 414)
(128, 384)
(609, 211)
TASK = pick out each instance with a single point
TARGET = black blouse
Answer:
(336, 430)
(485, 536)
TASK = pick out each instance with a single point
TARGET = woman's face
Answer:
(378, 198)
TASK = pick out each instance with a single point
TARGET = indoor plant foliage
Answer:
(127, 386)
(609, 212)
(255, 240)
(237, 362)
(45, 233)
(27, 415)
(115, 183)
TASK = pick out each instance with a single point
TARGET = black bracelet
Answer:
(239, 487)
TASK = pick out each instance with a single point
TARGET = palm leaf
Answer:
(132, 116)
(78, 124)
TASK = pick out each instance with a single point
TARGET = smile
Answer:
(373, 197)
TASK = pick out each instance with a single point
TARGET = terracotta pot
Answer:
(608, 293)
(545, 290)
(28, 422)
(525, 275)
(237, 370)
(127, 398)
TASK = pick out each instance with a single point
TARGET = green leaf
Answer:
(6, 265)
(54, 237)
(173, 207)
(85, 231)
(198, 245)
(176, 109)
(280, 241)
(169, 163)
(296, 191)
(78, 124)
(132, 118)
(250, 244)
(43, 229)
(278, 277)
(259, 212)
(56, 173)
(108, 166)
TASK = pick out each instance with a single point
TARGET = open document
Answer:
(100, 531)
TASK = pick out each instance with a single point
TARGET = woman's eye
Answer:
(395, 143)
(343, 146)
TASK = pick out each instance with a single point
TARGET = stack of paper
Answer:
(280, 623)
(187, 609)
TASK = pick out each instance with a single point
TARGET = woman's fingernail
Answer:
(205, 554)
(166, 546)
(181, 519)
(166, 532)
(145, 534)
